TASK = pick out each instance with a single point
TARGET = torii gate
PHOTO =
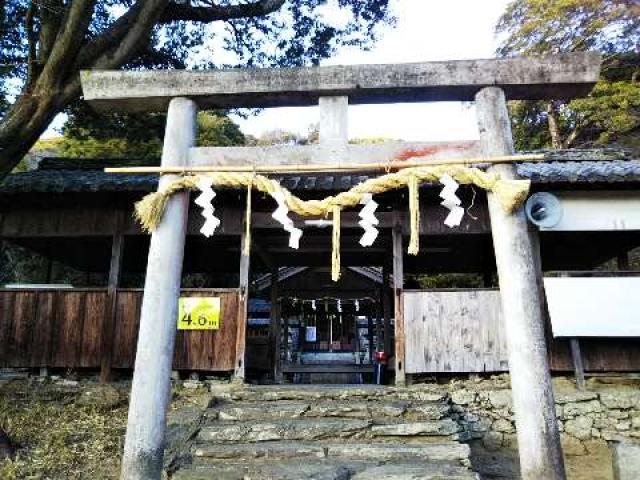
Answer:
(487, 82)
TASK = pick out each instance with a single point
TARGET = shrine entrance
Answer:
(327, 332)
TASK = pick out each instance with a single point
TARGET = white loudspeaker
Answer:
(543, 209)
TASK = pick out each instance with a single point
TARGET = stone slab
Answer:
(290, 470)
(304, 429)
(445, 452)
(257, 411)
(530, 78)
(443, 427)
(263, 450)
(416, 471)
(626, 461)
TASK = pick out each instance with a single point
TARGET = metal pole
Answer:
(151, 388)
(533, 402)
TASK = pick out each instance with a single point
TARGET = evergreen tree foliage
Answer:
(611, 114)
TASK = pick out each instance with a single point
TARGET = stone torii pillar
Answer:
(151, 388)
(533, 403)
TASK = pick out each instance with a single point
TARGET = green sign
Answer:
(199, 313)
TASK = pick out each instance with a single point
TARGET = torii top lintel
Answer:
(522, 78)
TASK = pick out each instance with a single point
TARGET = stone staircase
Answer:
(327, 433)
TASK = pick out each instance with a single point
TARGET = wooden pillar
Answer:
(378, 311)
(533, 402)
(386, 310)
(243, 303)
(109, 322)
(151, 388)
(398, 299)
(275, 327)
(578, 366)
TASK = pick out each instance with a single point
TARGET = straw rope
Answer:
(510, 194)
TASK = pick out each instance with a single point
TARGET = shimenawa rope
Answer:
(510, 194)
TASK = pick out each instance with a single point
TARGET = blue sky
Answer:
(426, 30)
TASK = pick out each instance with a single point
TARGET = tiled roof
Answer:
(85, 176)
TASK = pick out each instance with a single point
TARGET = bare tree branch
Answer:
(32, 39)
(175, 11)
(68, 41)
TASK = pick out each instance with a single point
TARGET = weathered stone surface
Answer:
(577, 396)
(303, 429)
(463, 396)
(443, 427)
(573, 409)
(182, 426)
(503, 425)
(579, 427)
(427, 411)
(451, 452)
(626, 461)
(256, 411)
(340, 409)
(267, 470)
(261, 450)
(501, 399)
(620, 399)
(571, 445)
(562, 76)
(395, 409)
(416, 471)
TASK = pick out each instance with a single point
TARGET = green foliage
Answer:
(611, 113)
(295, 33)
(88, 134)
(445, 280)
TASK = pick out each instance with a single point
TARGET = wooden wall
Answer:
(62, 328)
(453, 331)
(460, 331)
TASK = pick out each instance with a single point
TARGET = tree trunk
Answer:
(28, 118)
(554, 128)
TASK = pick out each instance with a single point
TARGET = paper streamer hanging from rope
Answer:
(211, 222)
(281, 214)
(368, 220)
(451, 201)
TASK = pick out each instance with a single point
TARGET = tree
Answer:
(88, 134)
(611, 113)
(46, 43)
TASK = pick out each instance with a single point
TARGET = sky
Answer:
(426, 30)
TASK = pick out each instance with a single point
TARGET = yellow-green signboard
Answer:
(199, 313)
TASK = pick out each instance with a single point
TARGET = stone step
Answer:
(327, 469)
(287, 409)
(455, 453)
(302, 429)
(321, 429)
(274, 393)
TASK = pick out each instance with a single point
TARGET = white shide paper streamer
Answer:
(368, 220)
(451, 201)
(211, 222)
(281, 214)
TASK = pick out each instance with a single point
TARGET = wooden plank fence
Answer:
(450, 331)
(63, 328)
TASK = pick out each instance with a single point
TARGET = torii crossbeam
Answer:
(487, 82)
